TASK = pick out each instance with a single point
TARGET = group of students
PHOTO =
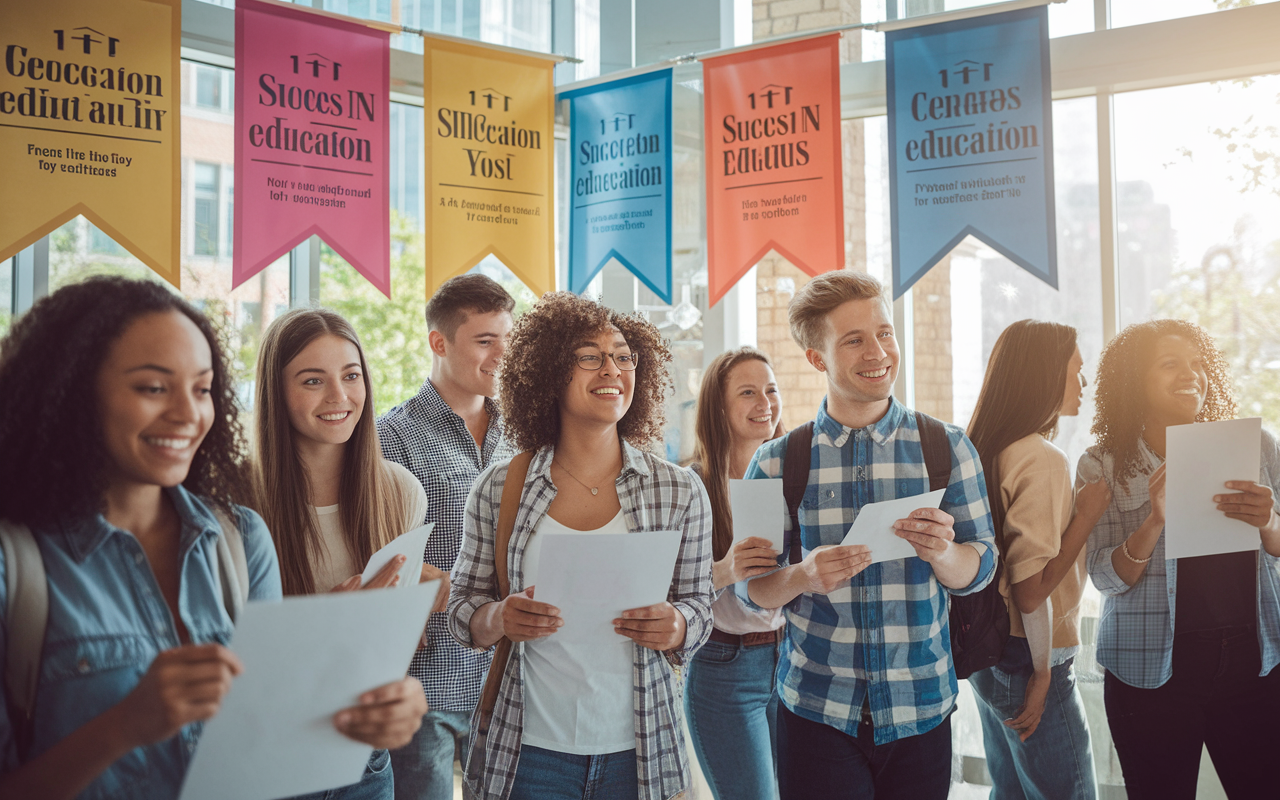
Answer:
(808, 673)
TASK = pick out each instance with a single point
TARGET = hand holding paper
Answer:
(876, 523)
(758, 510)
(412, 546)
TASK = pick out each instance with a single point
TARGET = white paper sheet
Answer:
(1199, 459)
(412, 545)
(874, 525)
(305, 659)
(758, 510)
(593, 577)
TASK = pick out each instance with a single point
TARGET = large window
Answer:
(1197, 171)
(204, 234)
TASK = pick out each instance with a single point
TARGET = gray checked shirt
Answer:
(425, 436)
(655, 496)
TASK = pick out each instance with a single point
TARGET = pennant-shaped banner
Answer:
(89, 123)
(490, 143)
(774, 177)
(620, 180)
(971, 142)
(312, 139)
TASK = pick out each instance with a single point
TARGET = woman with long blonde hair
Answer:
(330, 498)
(731, 697)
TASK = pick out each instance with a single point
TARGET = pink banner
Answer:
(312, 139)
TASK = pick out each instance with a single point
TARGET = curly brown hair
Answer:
(539, 362)
(1121, 394)
(50, 430)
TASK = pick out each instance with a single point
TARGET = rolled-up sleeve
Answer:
(1107, 534)
(966, 502)
(474, 582)
(691, 588)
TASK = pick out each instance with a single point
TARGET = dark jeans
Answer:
(816, 760)
(550, 775)
(1215, 699)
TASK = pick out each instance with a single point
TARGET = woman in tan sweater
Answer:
(1034, 730)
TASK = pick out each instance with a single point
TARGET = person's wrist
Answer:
(119, 729)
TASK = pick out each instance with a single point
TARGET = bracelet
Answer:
(1124, 548)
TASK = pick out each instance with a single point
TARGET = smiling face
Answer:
(1073, 391)
(752, 404)
(859, 353)
(155, 399)
(325, 390)
(1176, 383)
(603, 396)
(470, 360)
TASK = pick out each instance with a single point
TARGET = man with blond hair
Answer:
(865, 673)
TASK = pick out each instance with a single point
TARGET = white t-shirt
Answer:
(577, 697)
(335, 563)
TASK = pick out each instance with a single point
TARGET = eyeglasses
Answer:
(594, 361)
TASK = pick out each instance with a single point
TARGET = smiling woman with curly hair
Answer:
(1189, 644)
(582, 393)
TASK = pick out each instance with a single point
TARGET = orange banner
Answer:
(774, 177)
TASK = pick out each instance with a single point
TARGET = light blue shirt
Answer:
(1135, 632)
(108, 621)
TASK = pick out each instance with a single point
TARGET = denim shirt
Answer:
(1135, 632)
(108, 621)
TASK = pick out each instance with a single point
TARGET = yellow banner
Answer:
(89, 121)
(490, 152)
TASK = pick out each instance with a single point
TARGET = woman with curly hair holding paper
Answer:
(582, 395)
(1189, 645)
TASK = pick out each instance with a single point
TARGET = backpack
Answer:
(979, 622)
(27, 610)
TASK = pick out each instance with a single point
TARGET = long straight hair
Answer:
(1021, 394)
(715, 440)
(372, 510)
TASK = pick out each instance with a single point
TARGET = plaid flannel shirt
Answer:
(883, 638)
(424, 435)
(1135, 632)
(655, 495)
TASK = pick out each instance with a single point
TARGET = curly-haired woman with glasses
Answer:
(1189, 644)
(582, 391)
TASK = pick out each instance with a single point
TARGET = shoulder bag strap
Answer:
(512, 489)
(795, 478)
(937, 451)
(232, 568)
(26, 618)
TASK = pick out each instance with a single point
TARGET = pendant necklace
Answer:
(595, 490)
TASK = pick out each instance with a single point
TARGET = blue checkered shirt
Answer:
(884, 637)
(431, 441)
(1135, 633)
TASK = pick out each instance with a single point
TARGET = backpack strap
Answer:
(795, 478)
(937, 451)
(26, 618)
(512, 489)
(231, 568)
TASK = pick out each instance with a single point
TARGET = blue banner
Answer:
(620, 180)
(971, 142)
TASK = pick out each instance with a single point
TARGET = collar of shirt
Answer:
(434, 409)
(881, 432)
(84, 535)
(633, 463)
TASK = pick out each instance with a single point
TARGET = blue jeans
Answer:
(424, 767)
(376, 784)
(731, 703)
(1056, 763)
(549, 775)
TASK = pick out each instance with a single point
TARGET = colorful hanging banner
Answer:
(89, 117)
(620, 180)
(971, 142)
(774, 178)
(490, 145)
(312, 139)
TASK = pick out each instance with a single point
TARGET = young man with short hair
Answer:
(446, 435)
(865, 673)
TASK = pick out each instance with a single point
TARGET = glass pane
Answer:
(208, 87)
(1137, 12)
(1197, 170)
(1065, 19)
(6, 295)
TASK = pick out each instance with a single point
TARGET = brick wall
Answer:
(931, 309)
(802, 386)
